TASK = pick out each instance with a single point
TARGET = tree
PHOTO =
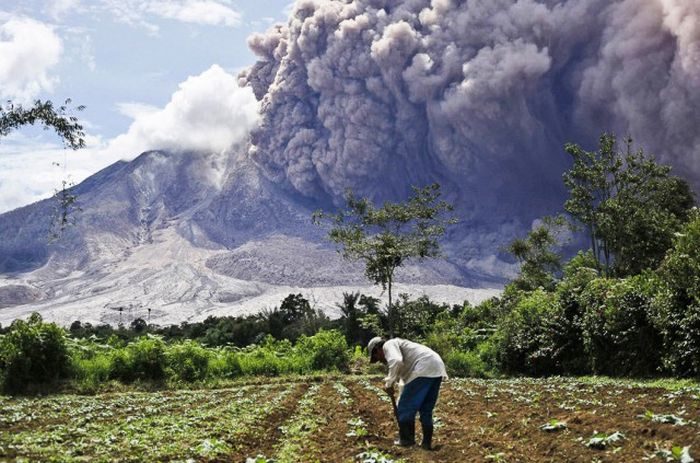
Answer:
(385, 238)
(630, 205)
(59, 119)
(537, 254)
(66, 126)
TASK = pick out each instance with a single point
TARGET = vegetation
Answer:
(629, 205)
(602, 311)
(385, 238)
(60, 119)
(66, 125)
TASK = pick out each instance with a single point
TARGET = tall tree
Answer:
(629, 204)
(540, 261)
(385, 237)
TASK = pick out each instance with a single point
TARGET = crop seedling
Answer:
(260, 459)
(553, 426)
(676, 454)
(374, 456)
(667, 419)
(357, 428)
(499, 457)
(601, 440)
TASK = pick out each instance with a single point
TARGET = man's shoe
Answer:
(407, 434)
(427, 443)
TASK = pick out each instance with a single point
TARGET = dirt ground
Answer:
(337, 418)
(499, 421)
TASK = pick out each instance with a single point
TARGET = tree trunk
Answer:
(392, 317)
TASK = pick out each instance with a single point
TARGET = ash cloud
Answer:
(480, 95)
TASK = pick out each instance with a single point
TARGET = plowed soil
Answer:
(499, 421)
(476, 421)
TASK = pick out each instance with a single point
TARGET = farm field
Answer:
(335, 419)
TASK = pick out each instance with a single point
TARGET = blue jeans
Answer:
(420, 395)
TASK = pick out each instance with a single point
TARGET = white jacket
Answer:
(409, 360)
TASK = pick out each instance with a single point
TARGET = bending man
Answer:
(421, 369)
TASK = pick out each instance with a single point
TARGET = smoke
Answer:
(480, 95)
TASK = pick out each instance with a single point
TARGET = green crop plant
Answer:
(553, 426)
(667, 419)
(601, 440)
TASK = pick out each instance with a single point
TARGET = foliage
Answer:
(601, 440)
(540, 263)
(326, 350)
(414, 318)
(143, 359)
(524, 342)
(385, 238)
(32, 352)
(677, 304)
(188, 361)
(553, 425)
(60, 119)
(629, 205)
(355, 309)
(618, 333)
(465, 364)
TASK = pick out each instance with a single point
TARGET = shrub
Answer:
(188, 361)
(91, 362)
(326, 350)
(32, 352)
(465, 364)
(262, 362)
(225, 363)
(523, 339)
(677, 303)
(143, 359)
(618, 333)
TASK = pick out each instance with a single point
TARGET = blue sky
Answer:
(148, 71)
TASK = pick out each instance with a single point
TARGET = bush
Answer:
(33, 352)
(262, 362)
(143, 359)
(523, 339)
(326, 350)
(677, 303)
(618, 333)
(465, 364)
(225, 363)
(566, 326)
(188, 361)
(91, 362)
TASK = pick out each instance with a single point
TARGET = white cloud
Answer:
(141, 12)
(29, 49)
(208, 112)
(135, 110)
(58, 8)
(197, 11)
(28, 172)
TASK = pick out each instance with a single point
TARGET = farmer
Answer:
(421, 370)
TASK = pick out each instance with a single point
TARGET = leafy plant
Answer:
(668, 419)
(374, 456)
(553, 425)
(260, 459)
(675, 454)
(601, 440)
(357, 428)
(33, 352)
